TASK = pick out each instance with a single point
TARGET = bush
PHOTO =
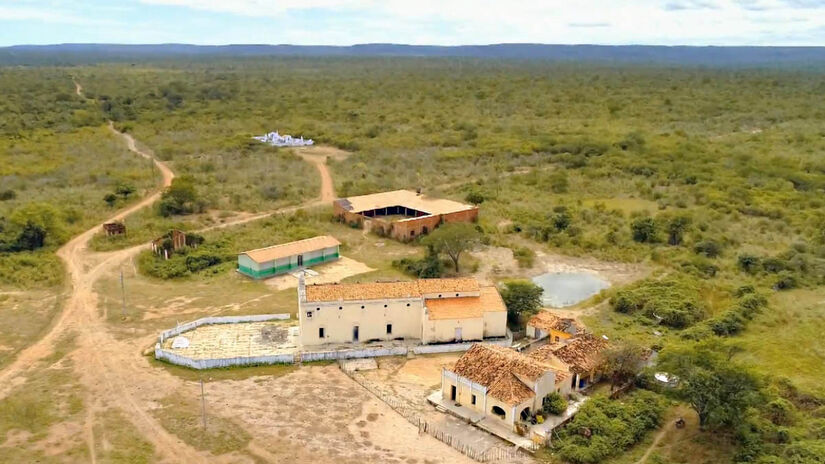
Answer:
(677, 303)
(427, 267)
(643, 230)
(748, 263)
(6, 195)
(786, 281)
(475, 197)
(708, 248)
(554, 403)
(526, 257)
(614, 426)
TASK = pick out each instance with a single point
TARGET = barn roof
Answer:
(262, 255)
(489, 300)
(388, 290)
(405, 198)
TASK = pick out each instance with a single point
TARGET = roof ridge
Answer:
(289, 243)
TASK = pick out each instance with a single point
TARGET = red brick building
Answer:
(402, 214)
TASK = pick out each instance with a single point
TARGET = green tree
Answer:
(748, 263)
(180, 198)
(623, 362)
(124, 190)
(643, 230)
(110, 199)
(521, 297)
(718, 389)
(453, 239)
(676, 228)
(475, 197)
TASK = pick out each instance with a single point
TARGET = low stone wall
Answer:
(298, 356)
(166, 334)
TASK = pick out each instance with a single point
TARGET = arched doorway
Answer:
(499, 412)
(525, 413)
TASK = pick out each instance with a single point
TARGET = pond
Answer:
(563, 289)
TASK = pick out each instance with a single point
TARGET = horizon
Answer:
(700, 23)
(396, 44)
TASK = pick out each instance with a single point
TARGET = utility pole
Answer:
(123, 293)
(203, 407)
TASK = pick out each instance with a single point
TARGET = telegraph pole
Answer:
(123, 293)
(203, 406)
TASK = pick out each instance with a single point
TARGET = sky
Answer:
(431, 22)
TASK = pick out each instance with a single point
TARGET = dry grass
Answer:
(117, 441)
(24, 316)
(786, 339)
(181, 415)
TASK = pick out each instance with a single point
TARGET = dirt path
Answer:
(113, 371)
(649, 451)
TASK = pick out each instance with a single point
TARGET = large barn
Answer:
(287, 257)
(402, 214)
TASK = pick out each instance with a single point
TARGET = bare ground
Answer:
(496, 262)
(313, 415)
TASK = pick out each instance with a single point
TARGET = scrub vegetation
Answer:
(712, 177)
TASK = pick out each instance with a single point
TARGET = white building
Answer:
(429, 310)
(277, 140)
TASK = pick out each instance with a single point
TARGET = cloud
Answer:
(588, 24)
(691, 5)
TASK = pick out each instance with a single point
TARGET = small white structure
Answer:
(277, 140)
(180, 342)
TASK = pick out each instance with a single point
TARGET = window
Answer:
(408, 304)
(340, 307)
(439, 295)
(473, 399)
(557, 339)
(318, 308)
(385, 306)
(389, 328)
(320, 332)
(309, 314)
(456, 294)
(362, 306)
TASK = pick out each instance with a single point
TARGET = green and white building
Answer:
(288, 257)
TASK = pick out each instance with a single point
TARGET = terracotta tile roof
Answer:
(489, 300)
(500, 370)
(388, 290)
(509, 389)
(461, 284)
(262, 255)
(582, 354)
(365, 291)
(546, 321)
(406, 198)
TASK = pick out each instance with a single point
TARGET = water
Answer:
(563, 289)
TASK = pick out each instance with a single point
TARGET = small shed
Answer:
(286, 257)
(114, 228)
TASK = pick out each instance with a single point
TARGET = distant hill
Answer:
(676, 55)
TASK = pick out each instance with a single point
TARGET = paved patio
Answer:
(243, 339)
(488, 424)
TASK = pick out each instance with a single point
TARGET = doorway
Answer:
(300, 260)
(458, 334)
(452, 392)
(355, 333)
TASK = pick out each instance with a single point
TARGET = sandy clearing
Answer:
(332, 272)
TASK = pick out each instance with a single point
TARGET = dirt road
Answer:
(114, 374)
